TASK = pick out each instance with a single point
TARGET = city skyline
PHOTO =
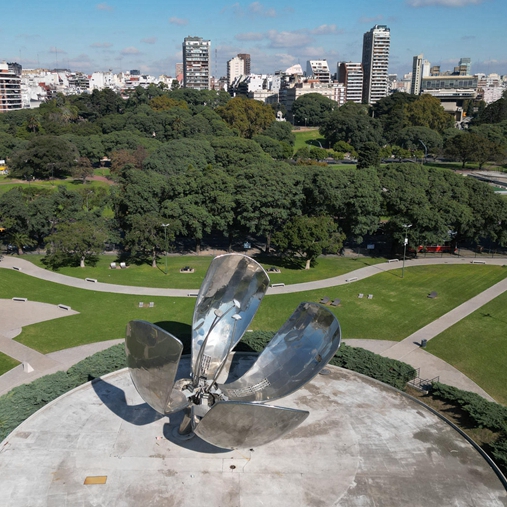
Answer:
(126, 35)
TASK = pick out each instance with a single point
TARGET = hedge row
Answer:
(483, 413)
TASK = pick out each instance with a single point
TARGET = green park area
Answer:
(6, 363)
(398, 308)
(143, 275)
(305, 137)
(477, 346)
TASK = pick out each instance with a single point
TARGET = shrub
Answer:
(484, 413)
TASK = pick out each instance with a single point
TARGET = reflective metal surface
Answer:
(234, 425)
(234, 285)
(231, 415)
(300, 349)
(152, 357)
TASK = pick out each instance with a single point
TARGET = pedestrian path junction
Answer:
(13, 317)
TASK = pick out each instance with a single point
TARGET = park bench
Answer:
(273, 269)
(123, 265)
(432, 295)
(324, 301)
(360, 295)
(370, 296)
(187, 269)
(336, 302)
(112, 265)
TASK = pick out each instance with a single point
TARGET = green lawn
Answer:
(477, 346)
(145, 276)
(399, 306)
(308, 137)
(7, 184)
(6, 363)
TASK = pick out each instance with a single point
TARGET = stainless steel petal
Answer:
(298, 351)
(152, 357)
(228, 299)
(235, 425)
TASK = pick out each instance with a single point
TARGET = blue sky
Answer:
(147, 35)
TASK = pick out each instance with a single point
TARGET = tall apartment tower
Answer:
(246, 58)
(420, 69)
(465, 67)
(351, 75)
(10, 88)
(196, 63)
(319, 70)
(376, 45)
(235, 68)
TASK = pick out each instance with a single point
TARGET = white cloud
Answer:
(149, 40)
(444, 3)
(372, 19)
(178, 21)
(249, 36)
(54, 49)
(287, 39)
(104, 7)
(101, 45)
(258, 9)
(324, 30)
(131, 50)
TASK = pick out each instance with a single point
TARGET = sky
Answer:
(121, 35)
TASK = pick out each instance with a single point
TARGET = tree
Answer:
(164, 103)
(20, 240)
(412, 138)
(248, 116)
(369, 155)
(427, 111)
(83, 169)
(464, 147)
(276, 149)
(267, 195)
(44, 157)
(312, 109)
(306, 238)
(351, 123)
(146, 236)
(281, 131)
(75, 242)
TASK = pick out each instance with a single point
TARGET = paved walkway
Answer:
(30, 269)
(407, 350)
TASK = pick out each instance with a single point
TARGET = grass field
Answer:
(307, 137)
(6, 363)
(399, 306)
(145, 276)
(477, 346)
(7, 184)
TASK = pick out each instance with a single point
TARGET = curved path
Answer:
(407, 350)
(30, 269)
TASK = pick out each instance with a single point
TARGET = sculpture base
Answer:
(362, 445)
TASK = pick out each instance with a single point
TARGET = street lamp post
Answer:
(406, 226)
(425, 151)
(165, 235)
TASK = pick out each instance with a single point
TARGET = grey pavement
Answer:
(26, 267)
(407, 350)
(362, 445)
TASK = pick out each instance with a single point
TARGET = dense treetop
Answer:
(207, 164)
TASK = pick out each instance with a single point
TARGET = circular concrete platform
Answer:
(363, 445)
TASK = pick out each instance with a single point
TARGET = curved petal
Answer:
(298, 351)
(227, 302)
(235, 425)
(153, 356)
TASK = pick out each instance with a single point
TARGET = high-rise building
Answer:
(196, 63)
(235, 69)
(10, 89)
(246, 58)
(465, 67)
(318, 70)
(351, 75)
(420, 69)
(376, 45)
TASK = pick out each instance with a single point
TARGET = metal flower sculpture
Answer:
(231, 415)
